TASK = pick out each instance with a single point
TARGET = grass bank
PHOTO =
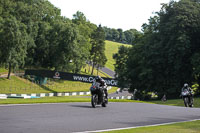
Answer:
(112, 48)
(19, 85)
(184, 127)
(22, 86)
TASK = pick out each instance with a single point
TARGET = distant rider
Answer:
(186, 86)
(102, 85)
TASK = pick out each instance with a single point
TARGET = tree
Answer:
(121, 38)
(127, 37)
(120, 66)
(39, 20)
(115, 35)
(166, 56)
(98, 48)
(132, 36)
(13, 42)
(85, 30)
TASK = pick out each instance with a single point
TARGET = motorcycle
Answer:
(187, 98)
(98, 96)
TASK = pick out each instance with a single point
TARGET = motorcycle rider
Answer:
(186, 86)
(102, 85)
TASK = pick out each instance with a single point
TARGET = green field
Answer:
(184, 127)
(3, 70)
(112, 48)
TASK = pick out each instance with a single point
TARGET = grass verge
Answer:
(55, 100)
(177, 102)
(184, 127)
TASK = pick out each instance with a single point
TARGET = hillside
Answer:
(112, 48)
(19, 85)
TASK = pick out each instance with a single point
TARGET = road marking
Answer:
(107, 130)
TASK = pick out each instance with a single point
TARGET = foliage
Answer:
(97, 52)
(120, 66)
(167, 55)
(127, 37)
(13, 43)
(34, 34)
(86, 30)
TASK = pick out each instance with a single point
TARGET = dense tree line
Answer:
(34, 34)
(168, 53)
(118, 35)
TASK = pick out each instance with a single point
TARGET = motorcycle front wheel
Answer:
(186, 101)
(103, 102)
(94, 100)
(191, 102)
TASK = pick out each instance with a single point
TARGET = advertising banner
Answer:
(68, 76)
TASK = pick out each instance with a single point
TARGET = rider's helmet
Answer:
(98, 78)
(185, 85)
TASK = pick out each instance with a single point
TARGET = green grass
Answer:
(112, 48)
(3, 70)
(55, 100)
(177, 102)
(184, 127)
(45, 100)
(22, 86)
(19, 85)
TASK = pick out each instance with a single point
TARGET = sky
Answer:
(124, 14)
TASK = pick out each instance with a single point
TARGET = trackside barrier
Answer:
(38, 95)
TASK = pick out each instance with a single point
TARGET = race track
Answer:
(80, 117)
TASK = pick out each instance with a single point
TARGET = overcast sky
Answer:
(124, 14)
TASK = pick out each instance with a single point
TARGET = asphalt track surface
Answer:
(108, 71)
(80, 117)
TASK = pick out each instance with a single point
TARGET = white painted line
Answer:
(81, 93)
(74, 93)
(33, 94)
(88, 93)
(23, 95)
(107, 130)
(59, 94)
(51, 94)
(66, 94)
(42, 94)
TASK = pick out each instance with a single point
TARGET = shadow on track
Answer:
(81, 106)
